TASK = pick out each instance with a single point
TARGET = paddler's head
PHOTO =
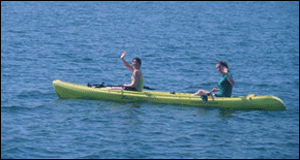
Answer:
(136, 63)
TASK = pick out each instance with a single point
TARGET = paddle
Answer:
(145, 87)
(102, 86)
(149, 88)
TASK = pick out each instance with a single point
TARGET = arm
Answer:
(231, 81)
(134, 81)
(225, 72)
(125, 62)
(216, 90)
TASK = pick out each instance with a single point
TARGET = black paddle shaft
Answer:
(102, 86)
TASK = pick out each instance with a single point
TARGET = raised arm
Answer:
(125, 62)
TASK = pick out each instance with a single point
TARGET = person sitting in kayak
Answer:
(225, 84)
(136, 78)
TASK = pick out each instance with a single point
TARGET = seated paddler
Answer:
(136, 78)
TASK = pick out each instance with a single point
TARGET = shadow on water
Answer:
(136, 105)
(219, 112)
(101, 103)
(226, 113)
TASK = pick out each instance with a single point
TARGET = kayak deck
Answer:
(66, 90)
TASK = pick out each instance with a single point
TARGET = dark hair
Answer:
(138, 60)
(223, 63)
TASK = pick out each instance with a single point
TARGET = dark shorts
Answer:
(130, 89)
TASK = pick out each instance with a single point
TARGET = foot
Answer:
(204, 98)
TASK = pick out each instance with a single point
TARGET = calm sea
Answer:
(179, 44)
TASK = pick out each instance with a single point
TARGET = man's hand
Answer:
(123, 54)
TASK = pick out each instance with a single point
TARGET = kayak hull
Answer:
(66, 90)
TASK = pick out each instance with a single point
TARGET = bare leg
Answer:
(201, 92)
(114, 88)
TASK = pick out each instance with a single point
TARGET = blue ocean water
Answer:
(179, 44)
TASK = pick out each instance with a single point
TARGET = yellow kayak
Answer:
(66, 90)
